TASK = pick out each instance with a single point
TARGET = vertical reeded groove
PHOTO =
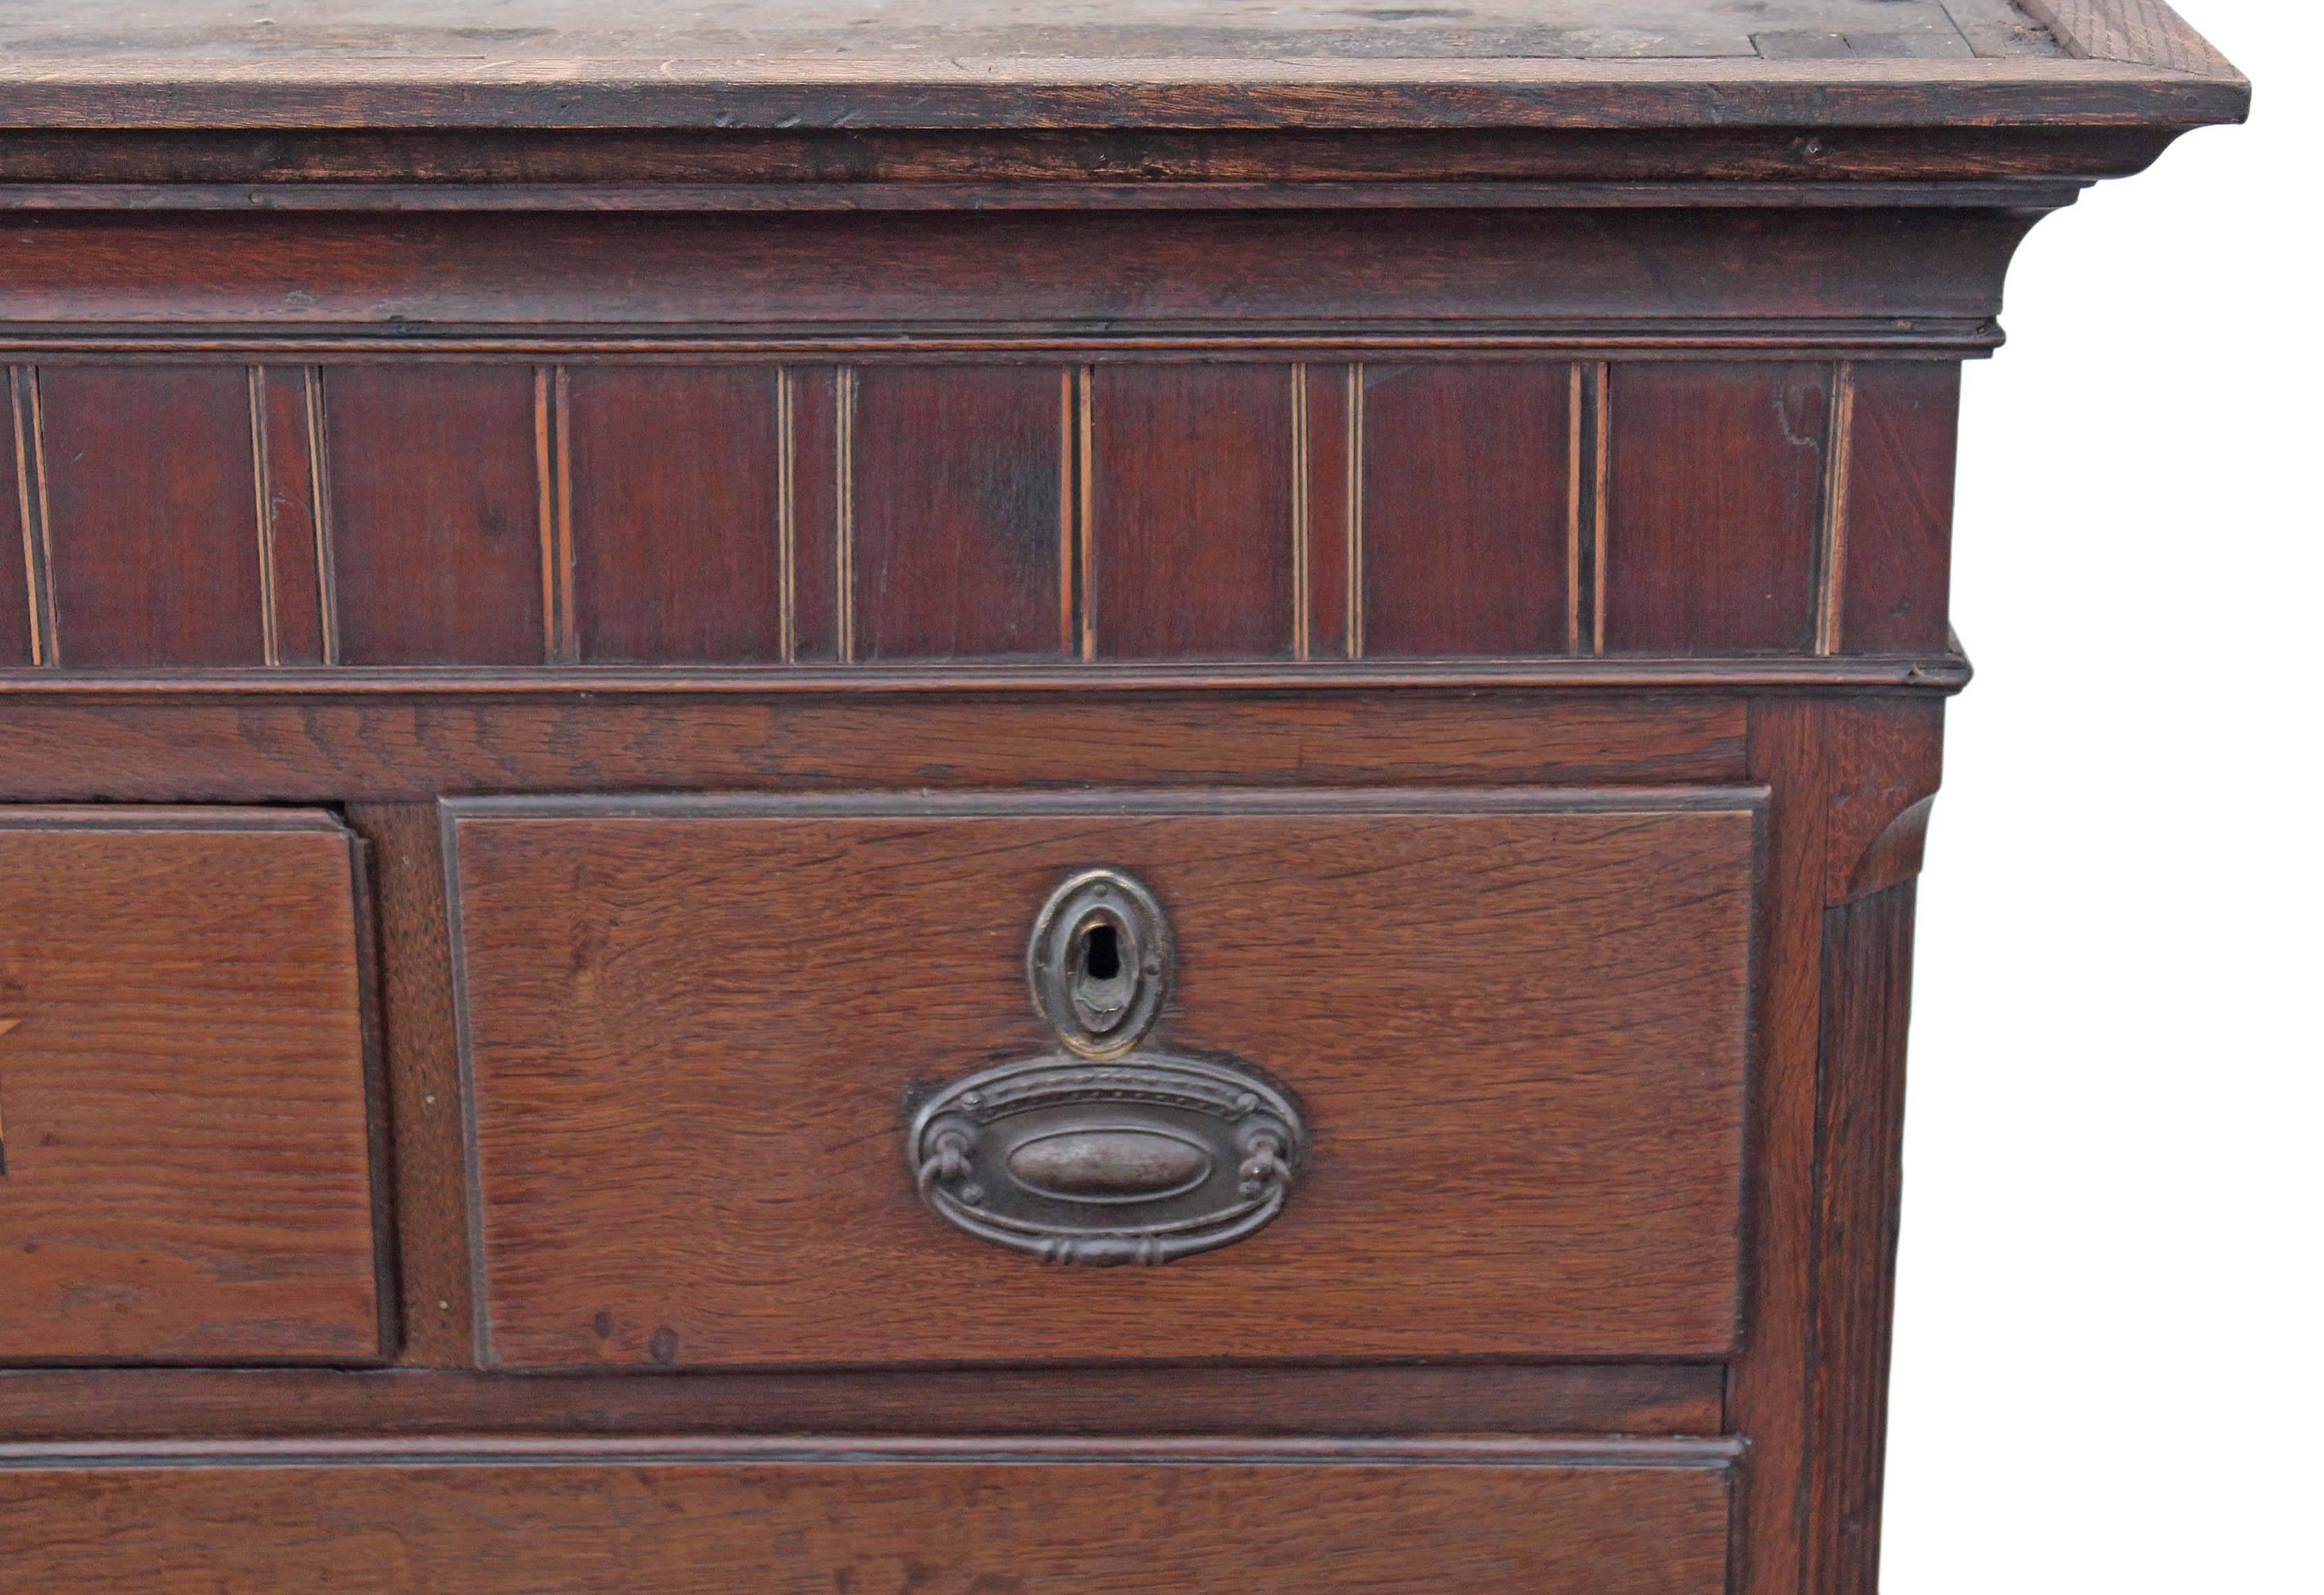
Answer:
(552, 440)
(326, 578)
(1356, 510)
(1300, 530)
(1574, 511)
(1085, 434)
(32, 508)
(1603, 414)
(1832, 565)
(262, 480)
(844, 497)
(785, 519)
(1069, 566)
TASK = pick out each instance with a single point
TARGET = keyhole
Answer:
(1101, 954)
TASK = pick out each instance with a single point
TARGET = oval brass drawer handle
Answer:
(1106, 1153)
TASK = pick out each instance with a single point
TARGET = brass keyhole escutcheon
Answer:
(1100, 962)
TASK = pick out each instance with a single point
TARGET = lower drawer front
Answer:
(499, 1523)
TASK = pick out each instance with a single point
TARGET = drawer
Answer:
(702, 1518)
(183, 1089)
(1512, 1028)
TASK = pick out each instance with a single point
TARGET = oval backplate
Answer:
(1139, 1159)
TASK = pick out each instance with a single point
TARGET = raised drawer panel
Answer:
(1517, 1022)
(183, 1090)
(748, 1519)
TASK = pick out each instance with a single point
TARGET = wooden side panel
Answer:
(1191, 539)
(1867, 964)
(679, 513)
(438, 528)
(1715, 506)
(1467, 528)
(690, 1035)
(1899, 508)
(286, 407)
(152, 516)
(183, 1083)
(719, 1526)
(958, 487)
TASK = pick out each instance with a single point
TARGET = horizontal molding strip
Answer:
(1064, 193)
(1906, 337)
(1942, 674)
(1712, 1452)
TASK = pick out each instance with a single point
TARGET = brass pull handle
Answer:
(1106, 1153)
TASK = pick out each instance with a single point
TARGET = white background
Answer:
(2109, 1355)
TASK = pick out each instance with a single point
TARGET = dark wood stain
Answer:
(1900, 508)
(153, 517)
(1465, 522)
(1469, 1398)
(678, 514)
(1715, 499)
(435, 514)
(1190, 540)
(957, 500)
(682, 1051)
(286, 403)
(1473, 538)
(189, 1171)
(1352, 1520)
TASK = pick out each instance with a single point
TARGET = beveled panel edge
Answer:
(1946, 673)
(1053, 194)
(1125, 803)
(1715, 1453)
(1264, 341)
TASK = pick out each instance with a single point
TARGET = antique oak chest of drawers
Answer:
(1096, 799)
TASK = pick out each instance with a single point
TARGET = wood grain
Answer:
(679, 513)
(152, 523)
(689, 1033)
(1465, 524)
(1281, 283)
(1895, 581)
(958, 491)
(705, 1520)
(187, 1159)
(1867, 956)
(286, 418)
(1467, 1398)
(24, 601)
(435, 515)
(1715, 499)
(421, 1053)
(1190, 534)
(410, 747)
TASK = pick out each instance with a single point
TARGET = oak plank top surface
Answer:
(1159, 63)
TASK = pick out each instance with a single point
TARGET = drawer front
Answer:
(750, 1518)
(1512, 1024)
(183, 1090)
